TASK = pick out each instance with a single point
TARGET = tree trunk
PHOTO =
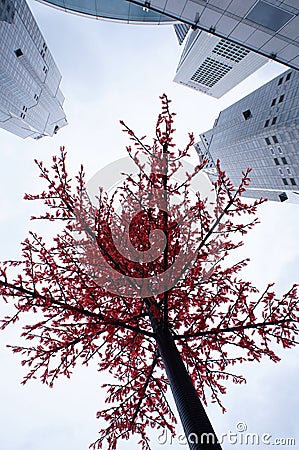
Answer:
(197, 426)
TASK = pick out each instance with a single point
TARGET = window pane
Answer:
(269, 16)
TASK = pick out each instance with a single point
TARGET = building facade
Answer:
(268, 27)
(181, 31)
(213, 65)
(116, 10)
(260, 132)
(31, 102)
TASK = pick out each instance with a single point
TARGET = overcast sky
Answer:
(117, 71)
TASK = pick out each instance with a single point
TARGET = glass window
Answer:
(269, 16)
(280, 81)
(281, 98)
(113, 9)
(268, 142)
(272, 151)
(276, 161)
(283, 197)
(18, 52)
(285, 181)
(274, 120)
(266, 123)
(279, 150)
(288, 76)
(247, 114)
(293, 182)
(275, 140)
(283, 159)
(273, 102)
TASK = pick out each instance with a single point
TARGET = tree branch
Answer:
(232, 329)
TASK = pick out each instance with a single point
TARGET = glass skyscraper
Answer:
(31, 102)
(268, 27)
(260, 132)
(213, 65)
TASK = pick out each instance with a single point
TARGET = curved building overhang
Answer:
(115, 10)
(267, 27)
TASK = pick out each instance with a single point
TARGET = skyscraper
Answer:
(181, 31)
(30, 98)
(268, 27)
(261, 131)
(213, 65)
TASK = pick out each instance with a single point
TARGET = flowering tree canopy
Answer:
(140, 282)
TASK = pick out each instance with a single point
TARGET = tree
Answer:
(147, 291)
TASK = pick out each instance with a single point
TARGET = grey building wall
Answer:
(261, 131)
(31, 102)
(214, 66)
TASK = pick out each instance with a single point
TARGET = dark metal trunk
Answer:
(197, 426)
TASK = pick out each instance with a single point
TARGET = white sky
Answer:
(110, 72)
